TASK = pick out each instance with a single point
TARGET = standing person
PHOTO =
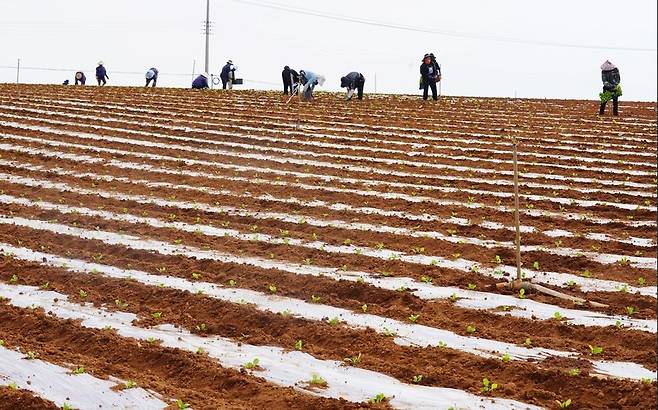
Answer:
(101, 74)
(201, 82)
(429, 77)
(228, 75)
(309, 80)
(80, 78)
(353, 81)
(611, 87)
(290, 77)
(151, 75)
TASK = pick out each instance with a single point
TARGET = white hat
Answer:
(150, 74)
(100, 63)
(205, 75)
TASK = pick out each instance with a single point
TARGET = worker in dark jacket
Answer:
(151, 75)
(353, 81)
(290, 78)
(430, 75)
(80, 78)
(201, 82)
(228, 75)
(611, 87)
(101, 74)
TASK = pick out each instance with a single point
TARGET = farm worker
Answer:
(290, 78)
(611, 88)
(101, 74)
(430, 75)
(228, 75)
(151, 75)
(80, 78)
(66, 82)
(309, 80)
(353, 81)
(201, 82)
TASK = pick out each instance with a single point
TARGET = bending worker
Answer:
(353, 81)
(309, 80)
(80, 78)
(201, 82)
(611, 88)
(228, 75)
(151, 75)
(101, 74)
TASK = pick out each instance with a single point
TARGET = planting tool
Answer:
(294, 92)
(518, 283)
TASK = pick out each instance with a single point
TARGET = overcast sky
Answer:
(131, 36)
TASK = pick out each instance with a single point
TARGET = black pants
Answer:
(430, 84)
(79, 82)
(148, 81)
(287, 86)
(359, 87)
(101, 80)
(224, 84)
(615, 106)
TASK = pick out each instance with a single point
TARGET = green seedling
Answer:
(156, 315)
(388, 332)
(232, 283)
(182, 405)
(2, 342)
(13, 386)
(380, 397)
(45, 286)
(624, 289)
(83, 294)
(308, 262)
(470, 329)
(453, 297)
(574, 372)
(563, 404)
(67, 406)
(413, 318)
(272, 288)
(475, 269)
(487, 386)
(442, 344)
(571, 284)
(527, 342)
(521, 293)
(418, 250)
(379, 246)
(31, 355)
(535, 265)
(417, 379)
(201, 327)
(120, 304)
(200, 350)
(595, 349)
(354, 360)
(624, 260)
(196, 275)
(334, 321)
(78, 370)
(402, 289)
(130, 384)
(631, 310)
(557, 316)
(364, 308)
(14, 278)
(299, 345)
(646, 380)
(252, 365)
(361, 280)
(498, 259)
(315, 299)
(506, 358)
(472, 286)
(426, 279)
(586, 274)
(618, 324)
(641, 281)
(317, 381)
(347, 242)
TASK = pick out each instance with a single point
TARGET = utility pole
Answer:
(207, 36)
(18, 70)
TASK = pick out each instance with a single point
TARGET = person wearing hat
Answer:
(80, 78)
(101, 74)
(611, 87)
(201, 82)
(228, 75)
(309, 80)
(290, 78)
(429, 76)
(151, 75)
(353, 81)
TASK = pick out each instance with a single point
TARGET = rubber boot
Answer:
(602, 109)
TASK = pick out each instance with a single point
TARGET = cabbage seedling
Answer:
(487, 386)
(317, 381)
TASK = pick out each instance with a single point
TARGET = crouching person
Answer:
(353, 81)
(201, 82)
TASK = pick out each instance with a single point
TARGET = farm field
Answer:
(165, 248)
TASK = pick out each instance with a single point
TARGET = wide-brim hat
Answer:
(100, 63)
(206, 75)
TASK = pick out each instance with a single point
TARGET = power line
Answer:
(471, 36)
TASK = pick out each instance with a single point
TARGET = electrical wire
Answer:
(471, 36)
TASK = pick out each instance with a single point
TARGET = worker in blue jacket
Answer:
(228, 75)
(309, 80)
(430, 74)
(101, 74)
(80, 78)
(152, 75)
(201, 82)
